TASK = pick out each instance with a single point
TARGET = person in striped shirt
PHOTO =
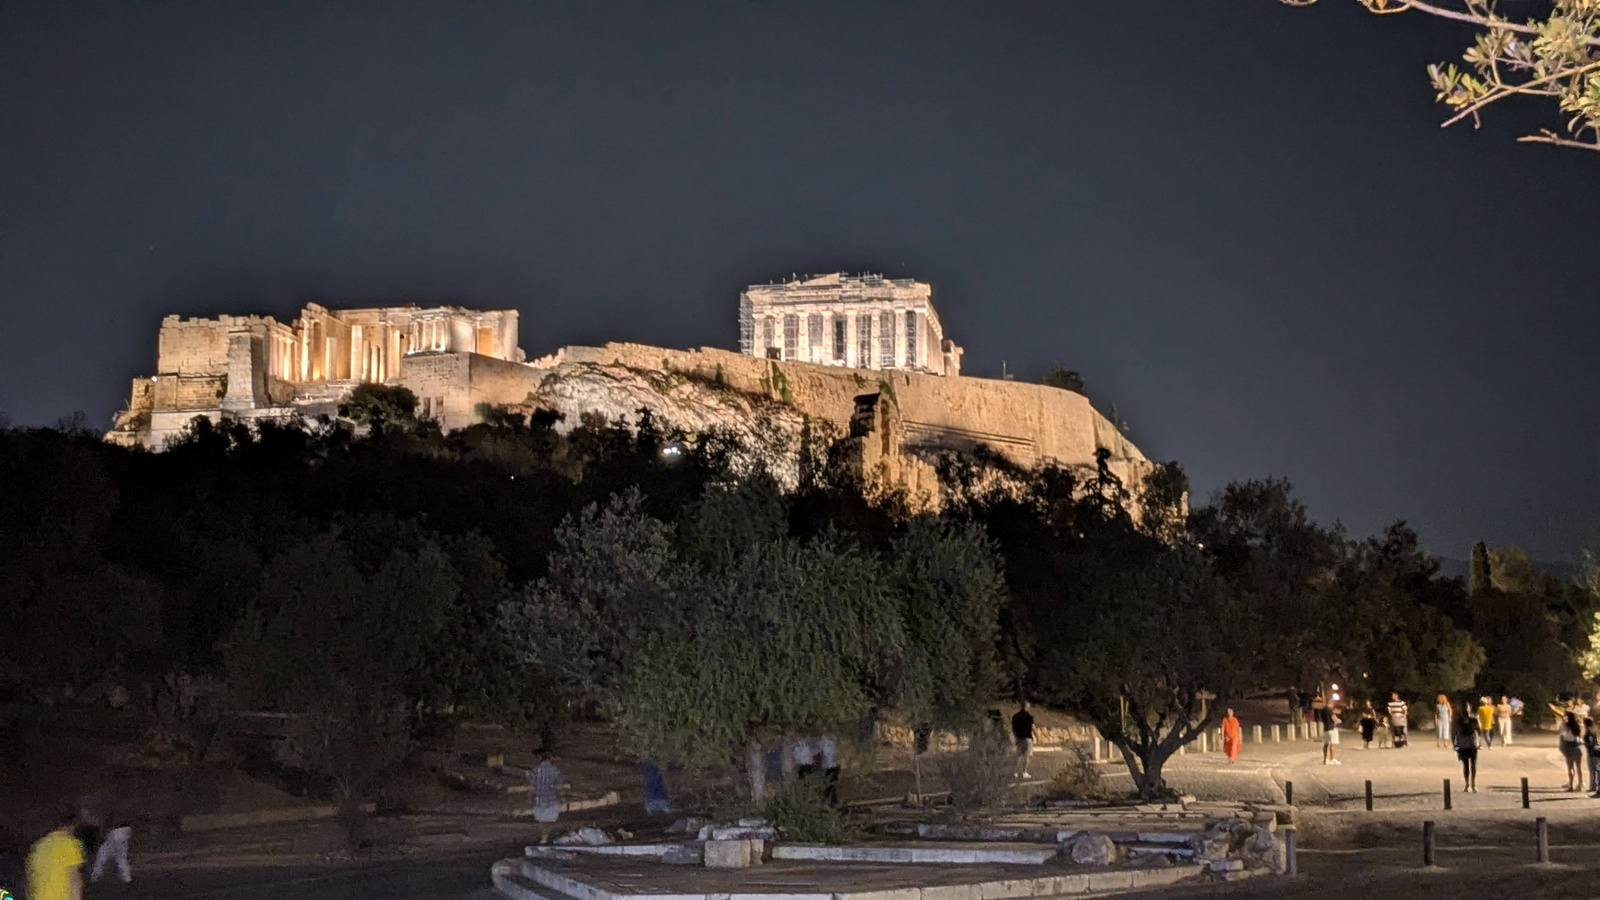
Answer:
(1397, 718)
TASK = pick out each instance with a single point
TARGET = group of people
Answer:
(1492, 718)
(56, 861)
(1576, 738)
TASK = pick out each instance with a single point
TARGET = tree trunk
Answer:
(756, 770)
(1144, 766)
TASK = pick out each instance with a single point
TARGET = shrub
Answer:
(1079, 779)
(802, 812)
(980, 775)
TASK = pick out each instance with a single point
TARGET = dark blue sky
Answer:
(1239, 220)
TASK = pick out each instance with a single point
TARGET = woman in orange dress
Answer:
(1232, 737)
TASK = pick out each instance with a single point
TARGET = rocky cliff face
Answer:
(766, 430)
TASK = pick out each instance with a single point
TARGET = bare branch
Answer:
(1546, 136)
(1385, 7)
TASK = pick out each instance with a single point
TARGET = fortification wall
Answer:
(192, 347)
(1030, 424)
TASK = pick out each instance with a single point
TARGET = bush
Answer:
(980, 775)
(1079, 779)
(802, 812)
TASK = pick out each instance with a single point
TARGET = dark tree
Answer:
(1064, 378)
(1479, 576)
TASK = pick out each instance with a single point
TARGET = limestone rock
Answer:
(1093, 849)
(684, 855)
(1263, 851)
(686, 825)
(1226, 865)
(592, 837)
(733, 854)
(765, 431)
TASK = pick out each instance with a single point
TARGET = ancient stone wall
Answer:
(1029, 424)
(192, 347)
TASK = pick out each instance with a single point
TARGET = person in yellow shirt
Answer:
(1486, 720)
(55, 864)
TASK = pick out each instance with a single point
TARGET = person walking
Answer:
(545, 779)
(1232, 736)
(656, 801)
(1591, 746)
(1022, 730)
(1369, 725)
(114, 851)
(1441, 720)
(1465, 739)
(1570, 739)
(1397, 719)
(828, 758)
(1502, 715)
(1329, 719)
(1486, 721)
(55, 863)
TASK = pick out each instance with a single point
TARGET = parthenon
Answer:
(858, 321)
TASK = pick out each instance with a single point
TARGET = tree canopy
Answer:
(1551, 55)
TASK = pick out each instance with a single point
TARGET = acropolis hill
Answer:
(861, 359)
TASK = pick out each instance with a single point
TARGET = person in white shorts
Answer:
(1330, 735)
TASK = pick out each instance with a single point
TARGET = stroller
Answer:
(1397, 731)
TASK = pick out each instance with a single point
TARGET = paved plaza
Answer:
(1411, 777)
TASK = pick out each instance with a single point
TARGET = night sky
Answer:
(1239, 220)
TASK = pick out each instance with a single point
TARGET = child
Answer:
(1591, 745)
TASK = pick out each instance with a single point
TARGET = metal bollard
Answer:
(1289, 866)
(1369, 795)
(1255, 734)
(1543, 828)
(1447, 793)
(1427, 843)
(1524, 793)
(1288, 793)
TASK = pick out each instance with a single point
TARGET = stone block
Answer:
(1004, 890)
(733, 854)
(1062, 884)
(1226, 865)
(1156, 877)
(562, 884)
(1111, 881)
(891, 894)
(1163, 837)
(951, 892)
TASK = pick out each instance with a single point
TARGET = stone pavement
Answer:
(614, 878)
(1410, 777)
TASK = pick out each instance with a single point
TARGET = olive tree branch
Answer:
(1546, 136)
(1507, 90)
